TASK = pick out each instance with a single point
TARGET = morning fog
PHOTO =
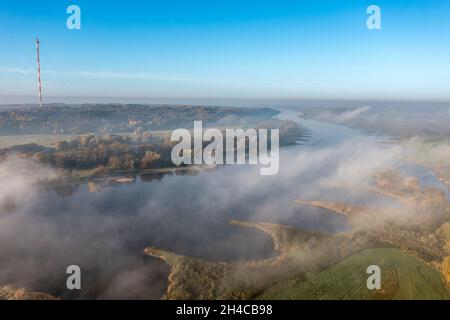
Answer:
(242, 146)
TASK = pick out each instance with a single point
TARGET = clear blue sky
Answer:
(228, 49)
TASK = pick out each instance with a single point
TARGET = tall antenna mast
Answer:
(39, 72)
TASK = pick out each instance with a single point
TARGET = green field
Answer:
(403, 277)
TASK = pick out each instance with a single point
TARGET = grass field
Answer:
(41, 139)
(403, 277)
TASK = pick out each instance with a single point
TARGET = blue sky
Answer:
(228, 49)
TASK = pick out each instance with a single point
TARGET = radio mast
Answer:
(39, 72)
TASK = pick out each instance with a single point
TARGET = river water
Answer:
(104, 232)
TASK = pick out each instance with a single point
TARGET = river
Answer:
(104, 232)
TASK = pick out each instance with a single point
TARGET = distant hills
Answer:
(115, 118)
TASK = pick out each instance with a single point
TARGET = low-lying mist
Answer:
(41, 232)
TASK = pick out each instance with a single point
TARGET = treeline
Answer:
(140, 151)
(114, 118)
(112, 152)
